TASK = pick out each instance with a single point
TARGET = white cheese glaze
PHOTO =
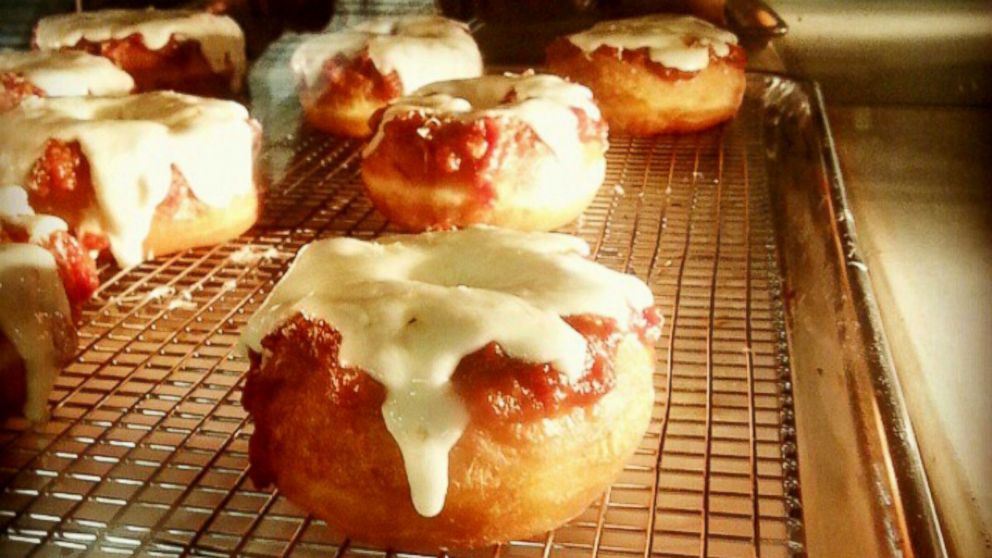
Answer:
(14, 209)
(220, 38)
(131, 144)
(35, 317)
(674, 41)
(67, 74)
(420, 49)
(409, 308)
(34, 309)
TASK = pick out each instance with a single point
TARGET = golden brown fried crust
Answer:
(507, 479)
(342, 116)
(643, 98)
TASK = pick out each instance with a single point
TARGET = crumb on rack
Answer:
(251, 255)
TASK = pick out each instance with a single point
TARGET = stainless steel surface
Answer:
(146, 452)
(919, 181)
(842, 357)
(754, 22)
(896, 52)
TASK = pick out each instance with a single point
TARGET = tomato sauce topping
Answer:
(179, 65)
(13, 90)
(432, 149)
(497, 386)
(345, 77)
(494, 385)
(60, 182)
(300, 346)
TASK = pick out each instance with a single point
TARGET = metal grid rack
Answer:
(146, 452)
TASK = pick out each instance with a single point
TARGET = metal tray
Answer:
(778, 430)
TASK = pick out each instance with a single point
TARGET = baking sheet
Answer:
(146, 452)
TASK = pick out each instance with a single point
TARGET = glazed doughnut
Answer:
(45, 276)
(518, 151)
(188, 51)
(345, 76)
(656, 74)
(451, 389)
(143, 175)
(58, 74)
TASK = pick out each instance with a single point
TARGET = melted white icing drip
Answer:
(131, 144)
(14, 209)
(420, 49)
(220, 38)
(543, 102)
(410, 308)
(674, 41)
(34, 310)
(67, 74)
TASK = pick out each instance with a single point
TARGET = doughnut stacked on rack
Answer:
(104, 150)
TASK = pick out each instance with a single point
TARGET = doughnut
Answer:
(182, 50)
(343, 77)
(656, 74)
(45, 277)
(518, 151)
(142, 175)
(451, 389)
(58, 74)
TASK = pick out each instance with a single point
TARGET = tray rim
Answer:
(923, 527)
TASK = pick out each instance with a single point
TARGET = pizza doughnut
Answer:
(58, 74)
(656, 74)
(451, 389)
(143, 175)
(182, 50)
(345, 76)
(45, 277)
(519, 151)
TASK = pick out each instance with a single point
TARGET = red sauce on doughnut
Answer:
(179, 65)
(500, 387)
(494, 385)
(301, 358)
(60, 184)
(434, 149)
(301, 346)
(346, 77)
(13, 90)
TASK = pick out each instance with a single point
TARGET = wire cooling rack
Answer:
(146, 452)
